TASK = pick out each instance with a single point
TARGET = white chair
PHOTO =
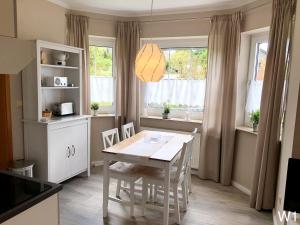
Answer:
(110, 137)
(189, 174)
(177, 178)
(190, 162)
(128, 130)
(120, 170)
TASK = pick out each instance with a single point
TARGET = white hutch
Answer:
(60, 147)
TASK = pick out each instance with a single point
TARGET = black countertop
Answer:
(19, 193)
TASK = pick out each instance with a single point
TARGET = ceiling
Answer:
(142, 7)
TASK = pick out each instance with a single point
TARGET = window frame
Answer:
(168, 43)
(109, 42)
(255, 39)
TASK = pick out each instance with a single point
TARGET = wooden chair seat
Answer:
(125, 170)
(156, 174)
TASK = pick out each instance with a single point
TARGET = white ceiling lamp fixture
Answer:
(150, 63)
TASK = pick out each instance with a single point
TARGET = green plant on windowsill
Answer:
(95, 108)
(166, 112)
(254, 118)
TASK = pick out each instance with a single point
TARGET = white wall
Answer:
(244, 160)
(98, 125)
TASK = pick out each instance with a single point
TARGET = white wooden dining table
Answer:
(147, 148)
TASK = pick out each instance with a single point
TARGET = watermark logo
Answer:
(287, 216)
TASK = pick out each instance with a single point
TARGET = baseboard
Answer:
(274, 212)
(194, 172)
(241, 188)
(97, 163)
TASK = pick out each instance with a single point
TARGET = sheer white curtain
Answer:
(254, 96)
(102, 89)
(188, 93)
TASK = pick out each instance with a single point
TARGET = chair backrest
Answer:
(194, 132)
(128, 130)
(110, 137)
(184, 159)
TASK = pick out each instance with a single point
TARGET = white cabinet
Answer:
(59, 155)
(37, 95)
(60, 150)
(78, 156)
(67, 152)
(60, 147)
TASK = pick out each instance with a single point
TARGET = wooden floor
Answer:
(210, 204)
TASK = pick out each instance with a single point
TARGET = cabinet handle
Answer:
(69, 152)
(74, 150)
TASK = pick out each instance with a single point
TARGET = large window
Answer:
(102, 82)
(257, 64)
(183, 85)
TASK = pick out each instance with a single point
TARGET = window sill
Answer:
(171, 119)
(246, 129)
(170, 124)
(103, 115)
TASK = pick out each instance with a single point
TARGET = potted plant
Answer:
(166, 112)
(254, 118)
(94, 108)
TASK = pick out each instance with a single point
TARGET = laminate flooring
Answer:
(210, 204)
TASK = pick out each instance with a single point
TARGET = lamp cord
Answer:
(151, 17)
(151, 12)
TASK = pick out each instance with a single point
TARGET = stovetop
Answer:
(18, 193)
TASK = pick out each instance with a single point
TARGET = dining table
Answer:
(157, 149)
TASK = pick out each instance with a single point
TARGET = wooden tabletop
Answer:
(155, 145)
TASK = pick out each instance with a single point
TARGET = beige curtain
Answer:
(77, 36)
(217, 140)
(128, 86)
(268, 142)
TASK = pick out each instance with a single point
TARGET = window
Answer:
(257, 64)
(183, 85)
(102, 73)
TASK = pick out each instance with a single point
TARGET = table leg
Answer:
(105, 188)
(166, 194)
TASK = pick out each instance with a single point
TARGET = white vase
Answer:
(95, 112)
(255, 127)
(165, 115)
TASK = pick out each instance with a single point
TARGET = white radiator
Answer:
(196, 144)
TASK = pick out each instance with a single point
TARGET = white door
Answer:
(59, 155)
(79, 148)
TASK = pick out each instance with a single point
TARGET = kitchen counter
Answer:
(61, 119)
(19, 193)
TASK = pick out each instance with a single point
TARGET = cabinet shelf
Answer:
(60, 88)
(58, 66)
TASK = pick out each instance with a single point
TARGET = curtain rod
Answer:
(183, 19)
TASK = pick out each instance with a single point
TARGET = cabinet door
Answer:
(59, 154)
(79, 148)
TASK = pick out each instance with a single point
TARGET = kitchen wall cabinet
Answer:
(7, 18)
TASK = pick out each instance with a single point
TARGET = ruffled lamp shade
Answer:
(150, 63)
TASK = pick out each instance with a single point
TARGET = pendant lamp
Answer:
(150, 63)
